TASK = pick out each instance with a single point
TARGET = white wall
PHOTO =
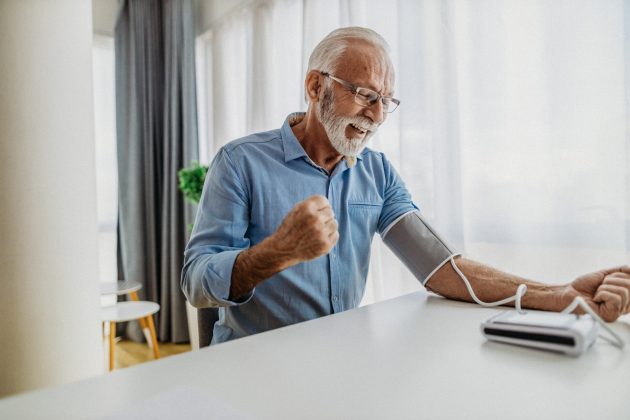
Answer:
(49, 298)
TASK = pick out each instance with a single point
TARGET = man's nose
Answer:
(376, 112)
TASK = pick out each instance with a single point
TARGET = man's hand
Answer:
(606, 291)
(309, 230)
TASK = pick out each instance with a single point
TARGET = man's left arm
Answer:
(606, 291)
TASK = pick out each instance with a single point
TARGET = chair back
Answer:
(206, 317)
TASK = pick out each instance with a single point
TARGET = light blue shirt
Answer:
(251, 185)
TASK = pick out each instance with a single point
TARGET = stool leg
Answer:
(112, 342)
(104, 338)
(143, 322)
(156, 352)
(134, 296)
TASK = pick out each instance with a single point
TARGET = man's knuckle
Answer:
(316, 200)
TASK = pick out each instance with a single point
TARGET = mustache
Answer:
(361, 122)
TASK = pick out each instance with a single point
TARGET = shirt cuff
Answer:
(218, 279)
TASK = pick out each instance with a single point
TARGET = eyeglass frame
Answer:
(355, 89)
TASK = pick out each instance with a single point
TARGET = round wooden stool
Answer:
(128, 311)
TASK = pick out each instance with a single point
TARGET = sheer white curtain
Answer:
(513, 131)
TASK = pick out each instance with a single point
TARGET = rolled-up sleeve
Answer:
(218, 237)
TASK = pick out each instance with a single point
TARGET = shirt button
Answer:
(335, 298)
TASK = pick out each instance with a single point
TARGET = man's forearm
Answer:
(492, 285)
(256, 264)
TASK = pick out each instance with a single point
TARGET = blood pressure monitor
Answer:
(565, 333)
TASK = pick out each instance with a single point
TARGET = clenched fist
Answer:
(309, 230)
(606, 291)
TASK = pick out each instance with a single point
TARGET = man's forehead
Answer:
(363, 62)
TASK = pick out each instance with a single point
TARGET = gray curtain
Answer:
(156, 120)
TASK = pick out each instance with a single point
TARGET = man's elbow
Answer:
(193, 287)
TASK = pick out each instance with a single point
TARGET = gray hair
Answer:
(325, 57)
(327, 54)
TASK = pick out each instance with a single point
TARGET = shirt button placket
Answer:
(333, 255)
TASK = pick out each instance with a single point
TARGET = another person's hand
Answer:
(606, 291)
(309, 230)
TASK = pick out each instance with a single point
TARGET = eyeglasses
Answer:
(366, 97)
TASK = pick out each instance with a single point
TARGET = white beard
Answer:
(335, 127)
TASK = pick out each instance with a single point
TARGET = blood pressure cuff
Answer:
(417, 245)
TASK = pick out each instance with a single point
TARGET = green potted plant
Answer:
(191, 181)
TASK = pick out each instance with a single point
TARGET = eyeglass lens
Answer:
(367, 97)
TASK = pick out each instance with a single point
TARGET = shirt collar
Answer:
(292, 147)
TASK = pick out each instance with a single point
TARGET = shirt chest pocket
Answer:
(365, 213)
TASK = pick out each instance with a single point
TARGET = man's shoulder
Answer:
(374, 156)
(265, 139)
(376, 165)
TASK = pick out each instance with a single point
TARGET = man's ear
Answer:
(313, 85)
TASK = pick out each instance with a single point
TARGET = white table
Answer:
(416, 356)
(120, 288)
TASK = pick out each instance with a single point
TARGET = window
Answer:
(512, 134)
(106, 161)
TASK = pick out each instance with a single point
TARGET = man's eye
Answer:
(368, 97)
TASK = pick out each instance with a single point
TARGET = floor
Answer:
(129, 353)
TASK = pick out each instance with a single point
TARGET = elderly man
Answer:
(286, 219)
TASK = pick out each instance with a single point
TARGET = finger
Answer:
(323, 207)
(621, 269)
(623, 283)
(334, 237)
(332, 225)
(618, 276)
(609, 305)
(318, 201)
(327, 214)
(620, 291)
